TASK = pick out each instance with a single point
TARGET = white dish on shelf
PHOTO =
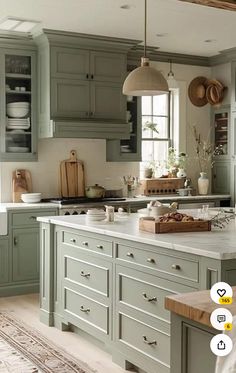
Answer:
(31, 197)
(18, 149)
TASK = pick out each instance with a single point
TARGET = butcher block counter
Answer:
(111, 280)
(191, 331)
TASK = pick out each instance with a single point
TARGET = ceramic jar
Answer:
(203, 183)
(181, 173)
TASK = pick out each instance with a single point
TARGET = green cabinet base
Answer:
(18, 289)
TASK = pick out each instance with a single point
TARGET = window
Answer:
(156, 129)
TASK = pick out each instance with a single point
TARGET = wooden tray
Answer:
(153, 226)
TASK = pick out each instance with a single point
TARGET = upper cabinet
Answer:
(221, 120)
(81, 80)
(18, 102)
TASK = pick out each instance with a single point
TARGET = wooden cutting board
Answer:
(72, 177)
(21, 183)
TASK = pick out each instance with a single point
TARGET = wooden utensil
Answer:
(72, 177)
(21, 183)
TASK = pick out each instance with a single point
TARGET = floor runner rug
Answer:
(25, 350)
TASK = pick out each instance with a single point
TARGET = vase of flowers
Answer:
(204, 154)
(203, 183)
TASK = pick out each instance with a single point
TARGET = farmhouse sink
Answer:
(3, 223)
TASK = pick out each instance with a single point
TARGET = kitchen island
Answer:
(110, 280)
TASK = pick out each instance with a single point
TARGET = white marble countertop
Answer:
(26, 206)
(217, 244)
(12, 206)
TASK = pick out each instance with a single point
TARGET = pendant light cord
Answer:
(145, 26)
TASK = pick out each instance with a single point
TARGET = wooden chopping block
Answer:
(21, 183)
(72, 177)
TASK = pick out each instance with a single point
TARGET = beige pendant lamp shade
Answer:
(145, 80)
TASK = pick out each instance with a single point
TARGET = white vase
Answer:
(181, 173)
(203, 183)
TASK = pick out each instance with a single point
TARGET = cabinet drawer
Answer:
(86, 274)
(29, 218)
(146, 293)
(87, 243)
(85, 309)
(177, 266)
(144, 339)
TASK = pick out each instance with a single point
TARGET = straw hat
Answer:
(197, 91)
(215, 92)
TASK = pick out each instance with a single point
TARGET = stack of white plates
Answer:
(18, 123)
(95, 215)
(31, 197)
(18, 149)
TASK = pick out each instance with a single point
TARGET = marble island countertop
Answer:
(217, 244)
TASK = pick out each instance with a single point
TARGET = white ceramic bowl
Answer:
(17, 112)
(31, 197)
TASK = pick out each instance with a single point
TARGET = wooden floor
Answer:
(26, 307)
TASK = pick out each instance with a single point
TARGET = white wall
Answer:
(93, 152)
(45, 172)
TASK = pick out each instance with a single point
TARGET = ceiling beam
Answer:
(220, 4)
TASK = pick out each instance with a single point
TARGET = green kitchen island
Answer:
(110, 280)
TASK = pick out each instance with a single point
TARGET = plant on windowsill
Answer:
(150, 126)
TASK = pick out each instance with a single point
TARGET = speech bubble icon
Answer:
(221, 318)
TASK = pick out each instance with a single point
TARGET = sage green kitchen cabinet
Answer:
(80, 92)
(19, 252)
(128, 150)
(25, 254)
(222, 144)
(18, 82)
(4, 260)
(114, 289)
(221, 176)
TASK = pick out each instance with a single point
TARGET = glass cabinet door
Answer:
(221, 132)
(17, 138)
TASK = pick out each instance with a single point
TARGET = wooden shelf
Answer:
(18, 92)
(18, 76)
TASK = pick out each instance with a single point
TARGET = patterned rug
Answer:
(24, 350)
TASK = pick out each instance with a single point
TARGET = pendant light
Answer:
(145, 80)
(171, 78)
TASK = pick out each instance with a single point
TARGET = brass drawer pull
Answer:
(145, 340)
(149, 299)
(73, 240)
(15, 241)
(33, 217)
(82, 309)
(85, 243)
(176, 266)
(151, 260)
(99, 247)
(84, 274)
(131, 255)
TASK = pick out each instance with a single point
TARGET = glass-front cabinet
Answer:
(221, 131)
(221, 161)
(18, 122)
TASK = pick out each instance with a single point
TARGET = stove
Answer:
(80, 205)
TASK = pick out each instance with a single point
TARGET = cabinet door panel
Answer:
(69, 63)
(69, 98)
(4, 261)
(107, 101)
(108, 67)
(221, 177)
(25, 254)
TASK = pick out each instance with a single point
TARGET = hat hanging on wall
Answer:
(197, 91)
(215, 92)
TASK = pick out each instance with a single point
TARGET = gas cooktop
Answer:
(78, 200)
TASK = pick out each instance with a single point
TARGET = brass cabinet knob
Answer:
(176, 266)
(73, 240)
(99, 247)
(85, 243)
